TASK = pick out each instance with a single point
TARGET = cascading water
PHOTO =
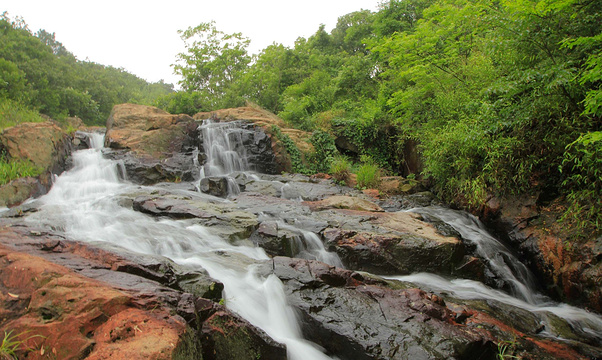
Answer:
(226, 154)
(85, 203)
(508, 268)
(498, 257)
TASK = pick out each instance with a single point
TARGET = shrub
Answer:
(325, 151)
(340, 169)
(13, 113)
(368, 176)
(583, 165)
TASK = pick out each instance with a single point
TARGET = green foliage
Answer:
(583, 164)
(368, 176)
(13, 113)
(38, 72)
(291, 149)
(14, 169)
(212, 63)
(340, 169)
(325, 151)
(9, 346)
(181, 102)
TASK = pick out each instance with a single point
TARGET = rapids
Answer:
(86, 204)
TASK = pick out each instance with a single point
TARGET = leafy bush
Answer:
(583, 165)
(325, 151)
(340, 169)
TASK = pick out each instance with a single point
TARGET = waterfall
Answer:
(85, 203)
(225, 150)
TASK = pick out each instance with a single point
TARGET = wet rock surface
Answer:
(153, 145)
(570, 269)
(355, 316)
(45, 146)
(72, 300)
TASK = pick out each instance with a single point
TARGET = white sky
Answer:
(142, 38)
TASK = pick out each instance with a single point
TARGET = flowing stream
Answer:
(85, 203)
(508, 270)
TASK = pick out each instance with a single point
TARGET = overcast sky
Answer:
(141, 36)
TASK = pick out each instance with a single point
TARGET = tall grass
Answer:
(340, 169)
(13, 113)
(14, 169)
(368, 174)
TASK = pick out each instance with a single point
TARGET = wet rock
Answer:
(113, 305)
(570, 269)
(215, 185)
(357, 317)
(68, 316)
(221, 218)
(391, 243)
(343, 202)
(153, 145)
(226, 336)
(19, 190)
(46, 146)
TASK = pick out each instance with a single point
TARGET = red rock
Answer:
(58, 312)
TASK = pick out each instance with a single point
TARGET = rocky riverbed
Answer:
(130, 278)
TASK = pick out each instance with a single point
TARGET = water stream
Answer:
(508, 269)
(85, 203)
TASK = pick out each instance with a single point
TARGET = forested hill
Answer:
(501, 97)
(37, 73)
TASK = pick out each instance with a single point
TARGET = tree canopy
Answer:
(39, 73)
(502, 97)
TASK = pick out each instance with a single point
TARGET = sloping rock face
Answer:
(573, 273)
(46, 146)
(69, 300)
(154, 145)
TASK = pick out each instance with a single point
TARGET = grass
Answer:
(13, 113)
(14, 169)
(10, 345)
(340, 169)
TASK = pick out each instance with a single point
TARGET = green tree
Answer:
(212, 63)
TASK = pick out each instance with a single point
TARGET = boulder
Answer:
(215, 185)
(355, 316)
(153, 144)
(391, 243)
(46, 146)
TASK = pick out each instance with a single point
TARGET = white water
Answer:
(311, 247)
(225, 152)
(84, 203)
(497, 256)
(508, 268)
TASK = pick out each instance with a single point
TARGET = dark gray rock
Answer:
(215, 185)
